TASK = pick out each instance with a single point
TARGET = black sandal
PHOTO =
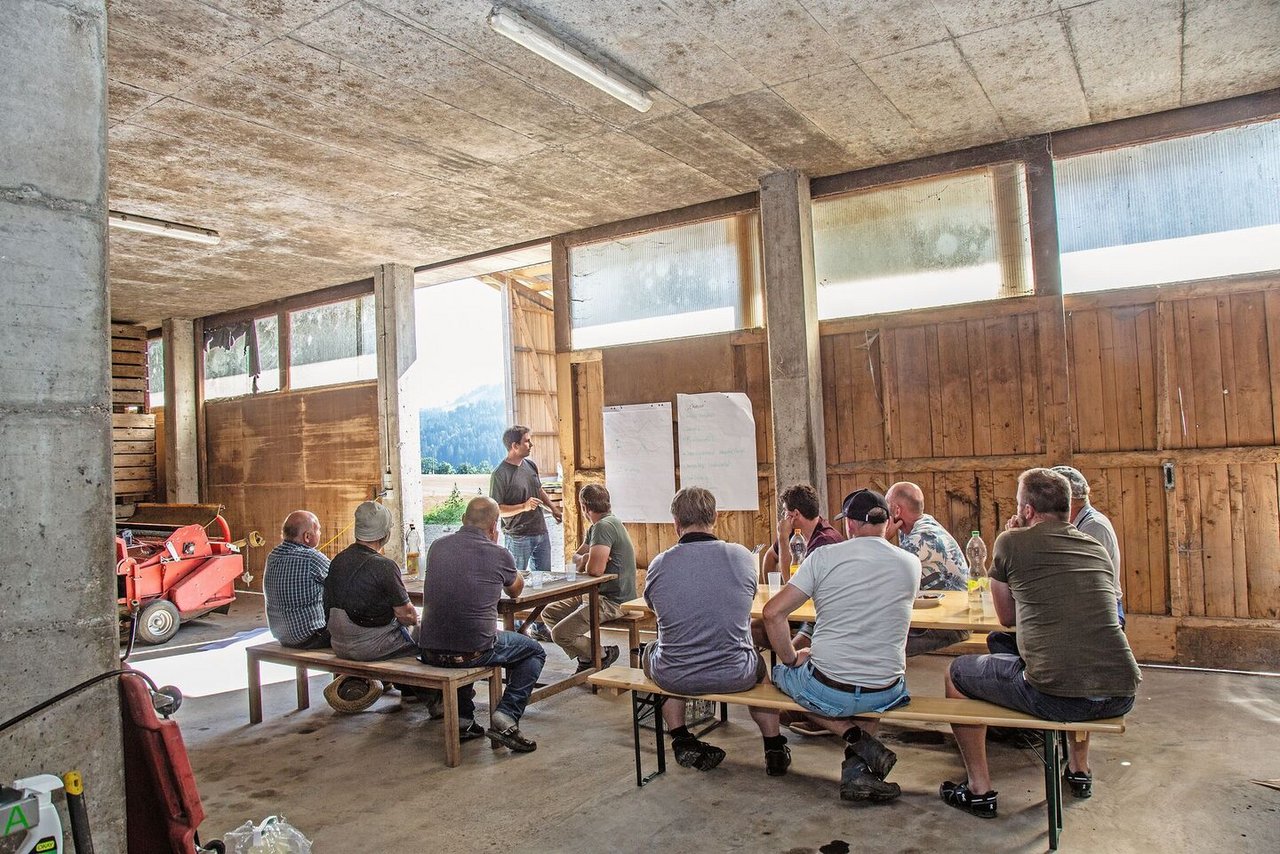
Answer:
(958, 795)
(1081, 783)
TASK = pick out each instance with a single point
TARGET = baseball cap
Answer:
(865, 505)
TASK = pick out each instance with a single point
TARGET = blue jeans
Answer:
(535, 548)
(803, 687)
(522, 657)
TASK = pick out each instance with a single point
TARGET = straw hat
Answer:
(352, 694)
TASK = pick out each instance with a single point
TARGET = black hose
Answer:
(75, 689)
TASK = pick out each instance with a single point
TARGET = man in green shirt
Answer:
(607, 549)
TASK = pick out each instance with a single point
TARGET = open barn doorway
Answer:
(486, 360)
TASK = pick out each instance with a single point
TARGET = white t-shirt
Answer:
(862, 590)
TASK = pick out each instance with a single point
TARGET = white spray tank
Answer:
(27, 807)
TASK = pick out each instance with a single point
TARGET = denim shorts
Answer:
(1000, 679)
(803, 687)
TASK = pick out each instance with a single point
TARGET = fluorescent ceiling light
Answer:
(147, 225)
(551, 48)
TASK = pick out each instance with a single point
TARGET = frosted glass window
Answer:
(333, 343)
(242, 358)
(959, 238)
(1195, 207)
(155, 373)
(664, 284)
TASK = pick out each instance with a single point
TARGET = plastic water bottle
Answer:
(412, 550)
(975, 552)
(797, 550)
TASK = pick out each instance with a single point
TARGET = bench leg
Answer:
(255, 690)
(637, 704)
(1053, 785)
(452, 738)
(303, 687)
(495, 690)
(633, 641)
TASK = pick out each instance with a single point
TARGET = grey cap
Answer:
(373, 522)
(1079, 485)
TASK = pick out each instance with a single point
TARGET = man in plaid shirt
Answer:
(293, 583)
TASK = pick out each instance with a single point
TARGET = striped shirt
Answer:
(293, 583)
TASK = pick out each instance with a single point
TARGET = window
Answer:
(242, 358)
(672, 283)
(958, 238)
(155, 373)
(333, 343)
(1195, 207)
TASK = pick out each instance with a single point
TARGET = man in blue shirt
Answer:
(942, 562)
(293, 583)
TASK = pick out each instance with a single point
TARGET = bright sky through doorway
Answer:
(459, 340)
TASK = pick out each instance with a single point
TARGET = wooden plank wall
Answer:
(534, 374)
(656, 372)
(315, 449)
(133, 445)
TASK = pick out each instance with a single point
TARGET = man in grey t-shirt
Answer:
(701, 590)
(517, 488)
(862, 591)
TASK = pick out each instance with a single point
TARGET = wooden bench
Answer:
(645, 693)
(405, 670)
(630, 622)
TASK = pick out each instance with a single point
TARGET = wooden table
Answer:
(953, 613)
(535, 599)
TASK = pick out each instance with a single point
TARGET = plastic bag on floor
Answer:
(273, 836)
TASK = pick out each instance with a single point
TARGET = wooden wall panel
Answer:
(315, 449)
(534, 375)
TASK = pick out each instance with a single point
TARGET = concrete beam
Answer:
(181, 438)
(398, 438)
(791, 323)
(58, 622)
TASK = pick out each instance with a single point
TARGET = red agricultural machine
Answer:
(175, 562)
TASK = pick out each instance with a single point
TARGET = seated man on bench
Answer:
(862, 591)
(1074, 664)
(701, 591)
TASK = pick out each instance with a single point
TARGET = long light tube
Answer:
(551, 48)
(164, 228)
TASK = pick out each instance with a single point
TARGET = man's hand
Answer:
(892, 527)
(406, 615)
(802, 655)
(785, 529)
(1015, 521)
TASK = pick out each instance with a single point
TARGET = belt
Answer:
(449, 658)
(852, 689)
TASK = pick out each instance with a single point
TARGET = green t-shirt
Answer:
(610, 532)
(1064, 592)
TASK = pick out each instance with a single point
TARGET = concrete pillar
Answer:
(181, 438)
(791, 323)
(399, 443)
(57, 582)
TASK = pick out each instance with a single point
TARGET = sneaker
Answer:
(777, 761)
(692, 753)
(958, 795)
(1081, 783)
(857, 783)
(470, 732)
(607, 657)
(879, 759)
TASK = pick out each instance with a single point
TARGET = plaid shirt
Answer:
(293, 583)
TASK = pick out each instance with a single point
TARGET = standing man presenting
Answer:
(606, 549)
(293, 584)
(517, 488)
(468, 572)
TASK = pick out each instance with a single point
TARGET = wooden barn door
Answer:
(532, 379)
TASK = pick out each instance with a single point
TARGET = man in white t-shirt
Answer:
(862, 590)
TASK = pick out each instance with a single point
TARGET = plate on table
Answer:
(927, 600)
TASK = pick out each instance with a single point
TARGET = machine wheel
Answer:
(158, 622)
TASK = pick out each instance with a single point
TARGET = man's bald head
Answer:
(482, 513)
(301, 526)
(906, 494)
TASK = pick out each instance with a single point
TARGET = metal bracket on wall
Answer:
(1169, 481)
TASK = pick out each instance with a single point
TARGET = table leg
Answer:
(255, 690)
(303, 687)
(495, 689)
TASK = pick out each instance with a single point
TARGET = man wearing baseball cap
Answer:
(862, 590)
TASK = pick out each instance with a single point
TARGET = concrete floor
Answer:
(1178, 780)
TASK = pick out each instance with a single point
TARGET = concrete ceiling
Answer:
(324, 137)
